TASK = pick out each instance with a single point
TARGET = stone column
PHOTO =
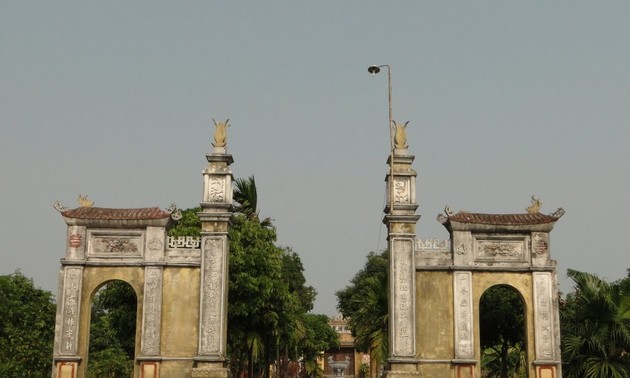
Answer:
(65, 354)
(215, 218)
(401, 222)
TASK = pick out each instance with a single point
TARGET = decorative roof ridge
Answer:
(500, 219)
(105, 213)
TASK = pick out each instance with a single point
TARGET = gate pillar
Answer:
(215, 216)
(401, 222)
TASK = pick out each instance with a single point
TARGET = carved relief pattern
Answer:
(184, 242)
(501, 250)
(120, 245)
(540, 244)
(463, 315)
(461, 249)
(70, 315)
(401, 190)
(155, 244)
(404, 342)
(216, 189)
(212, 302)
(433, 244)
(152, 311)
(543, 316)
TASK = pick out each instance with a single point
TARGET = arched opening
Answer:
(112, 331)
(502, 333)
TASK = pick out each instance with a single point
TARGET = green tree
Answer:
(318, 337)
(268, 296)
(256, 294)
(113, 331)
(595, 323)
(246, 199)
(27, 323)
(364, 303)
(502, 333)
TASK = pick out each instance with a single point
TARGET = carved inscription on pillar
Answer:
(543, 319)
(462, 288)
(71, 304)
(212, 302)
(152, 311)
(402, 190)
(403, 293)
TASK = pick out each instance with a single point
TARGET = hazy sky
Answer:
(505, 99)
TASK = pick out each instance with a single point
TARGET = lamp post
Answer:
(374, 70)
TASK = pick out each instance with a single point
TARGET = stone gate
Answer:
(435, 286)
(180, 283)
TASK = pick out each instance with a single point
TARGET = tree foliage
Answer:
(27, 323)
(364, 303)
(113, 331)
(246, 199)
(595, 321)
(268, 298)
(502, 333)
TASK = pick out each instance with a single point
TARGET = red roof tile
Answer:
(116, 214)
(503, 219)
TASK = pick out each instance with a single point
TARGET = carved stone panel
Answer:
(508, 250)
(543, 316)
(402, 190)
(71, 305)
(116, 245)
(76, 243)
(215, 191)
(152, 311)
(212, 296)
(155, 239)
(403, 296)
(540, 248)
(462, 289)
(463, 248)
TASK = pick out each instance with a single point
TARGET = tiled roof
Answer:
(116, 214)
(503, 219)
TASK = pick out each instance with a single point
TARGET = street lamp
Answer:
(374, 70)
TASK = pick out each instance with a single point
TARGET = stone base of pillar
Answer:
(402, 370)
(401, 374)
(66, 369)
(210, 370)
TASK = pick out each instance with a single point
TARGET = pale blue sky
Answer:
(505, 100)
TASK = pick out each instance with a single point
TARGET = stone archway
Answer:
(451, 276)
(502, 332)
(181, 283)
(435, 286)
(113, 330)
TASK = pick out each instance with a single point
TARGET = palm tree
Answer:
(369, 323)
(595, 322)
(246, 198)
(364, 303)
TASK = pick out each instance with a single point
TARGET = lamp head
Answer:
(374, 69)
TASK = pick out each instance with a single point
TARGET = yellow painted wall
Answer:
(180, 314)
(434, 316)
(93, 279)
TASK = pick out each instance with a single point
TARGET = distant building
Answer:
(343, 361)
